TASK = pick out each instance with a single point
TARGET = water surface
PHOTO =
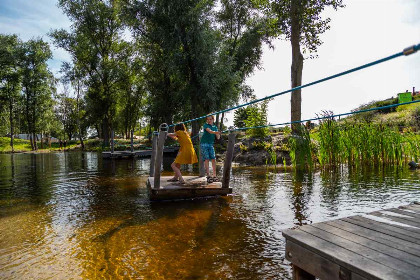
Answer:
(76, 216)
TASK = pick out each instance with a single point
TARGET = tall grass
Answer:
(301, 148)
(365, 144)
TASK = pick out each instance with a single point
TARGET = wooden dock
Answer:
(137, 154)
(380, 245)
(195, 187)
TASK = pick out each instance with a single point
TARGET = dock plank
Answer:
(383, 244)
(384, 259)
(413, 236)
(371, 244)
(402, 221)
(353, 261)
(195, 187)
(378, 236)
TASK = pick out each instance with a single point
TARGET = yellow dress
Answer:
(186, 154)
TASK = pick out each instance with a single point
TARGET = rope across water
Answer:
(406, 51)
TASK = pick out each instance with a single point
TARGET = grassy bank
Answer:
(90, 145)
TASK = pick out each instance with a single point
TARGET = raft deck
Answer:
(195, 187)
(379, 245)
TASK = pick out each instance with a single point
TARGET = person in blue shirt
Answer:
(207, 149)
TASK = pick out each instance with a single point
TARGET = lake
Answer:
(75, 216)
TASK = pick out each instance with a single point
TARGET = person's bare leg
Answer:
(206, 165)
(174, 168)
(213, 164)
(177, 170)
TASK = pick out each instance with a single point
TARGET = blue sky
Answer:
(362, 32)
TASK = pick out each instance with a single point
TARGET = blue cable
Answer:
(406, 51)
(325, 117)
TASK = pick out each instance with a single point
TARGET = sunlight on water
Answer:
(75, 216)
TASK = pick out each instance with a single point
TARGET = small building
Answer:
(405, 97)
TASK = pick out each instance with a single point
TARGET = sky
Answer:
(363, 31)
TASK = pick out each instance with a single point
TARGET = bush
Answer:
(257, 116)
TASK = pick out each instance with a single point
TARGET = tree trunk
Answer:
(105, 131)
(217, 120)
(12, 131)
(34, 141)
(297, 63)
(42, 144)
(221, 121)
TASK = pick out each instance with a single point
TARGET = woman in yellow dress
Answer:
(186, 153)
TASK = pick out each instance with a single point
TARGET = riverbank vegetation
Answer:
(137, 64)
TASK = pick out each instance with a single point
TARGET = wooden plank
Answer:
(195, 187)
(411, 214)
(412, 207)
(319, 266)
(402, 232)
(355, 262)
(410, 223)
(227, 166)
(378, 236)
(371, 244)
(389, 261)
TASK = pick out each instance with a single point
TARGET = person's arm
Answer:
(213, 132)
(173, 136)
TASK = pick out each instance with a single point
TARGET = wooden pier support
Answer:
(163, 132)
(153, 156)
(227, 166)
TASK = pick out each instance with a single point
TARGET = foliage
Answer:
(38, 84)
(301, 148)
(257, 116)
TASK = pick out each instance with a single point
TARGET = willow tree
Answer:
(302, 22)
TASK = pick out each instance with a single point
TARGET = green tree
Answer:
(94, 43)
(10, 78)
(66, 112)
(37, 83)
(199, 63)
(131, 88)
(257, 116)
(73, 76)
(301, 22)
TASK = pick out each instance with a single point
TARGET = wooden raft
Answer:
(380, 245)
(195, 187)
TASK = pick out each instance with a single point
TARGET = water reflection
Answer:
(74, 215)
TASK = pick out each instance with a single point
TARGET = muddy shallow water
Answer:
(76, 216)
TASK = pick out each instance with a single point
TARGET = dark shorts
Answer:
(207, 151)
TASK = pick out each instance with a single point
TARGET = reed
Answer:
(364, 143)
(301, 148)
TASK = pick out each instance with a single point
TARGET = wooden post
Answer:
(112, 141)
(132, 135)
(228, 160)
(163, 131)
(200, 159)
(153, 157)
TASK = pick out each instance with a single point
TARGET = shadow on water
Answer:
(78, 216)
